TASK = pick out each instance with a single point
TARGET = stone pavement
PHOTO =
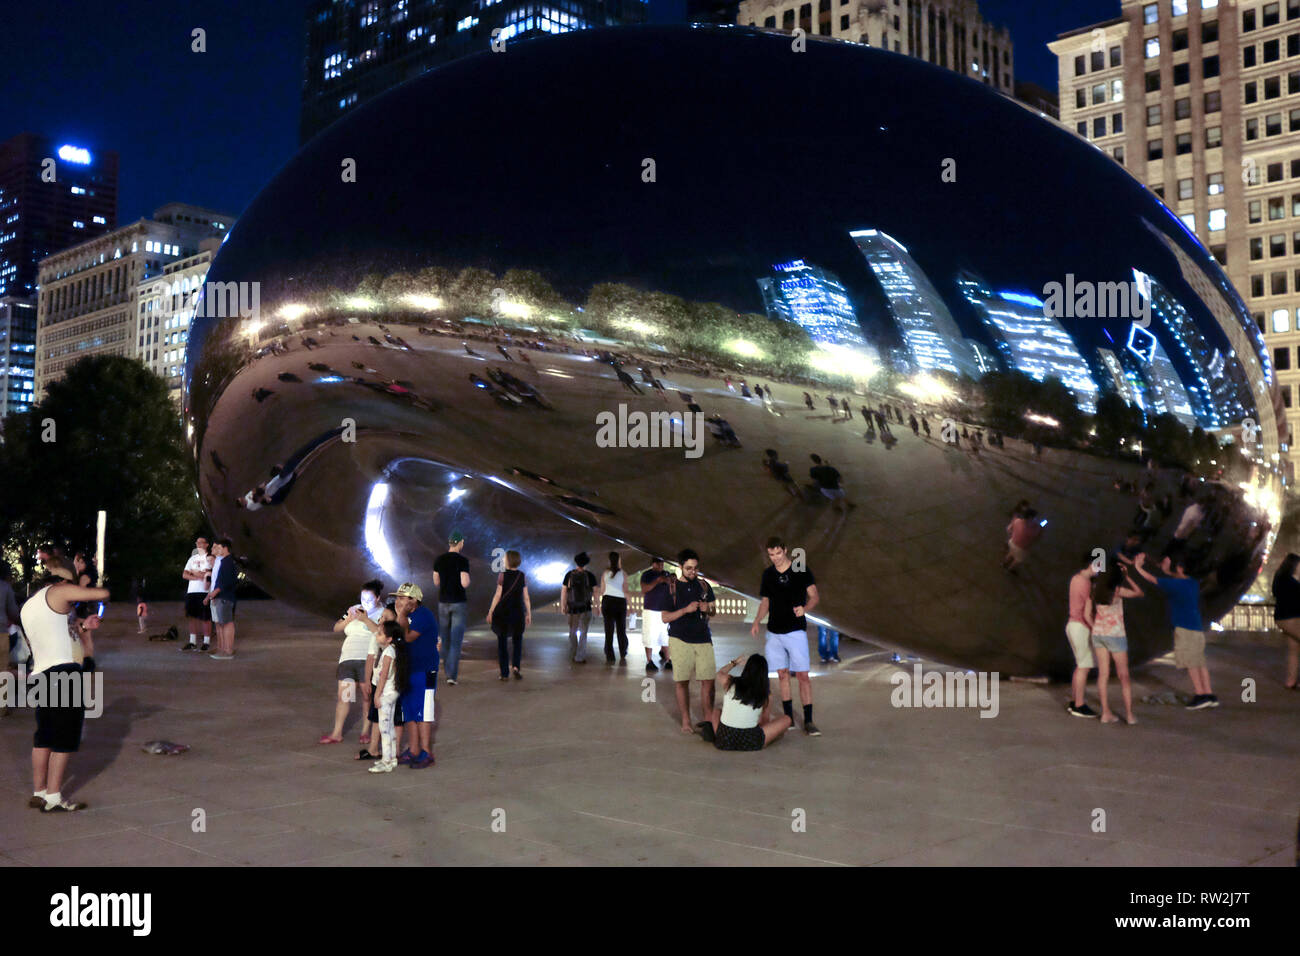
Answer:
(581, 769)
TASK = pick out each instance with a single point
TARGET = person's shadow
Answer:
(103, 738)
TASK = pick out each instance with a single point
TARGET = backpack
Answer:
(579, 589)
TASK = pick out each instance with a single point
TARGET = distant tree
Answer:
(1117, 423)
(117, 446)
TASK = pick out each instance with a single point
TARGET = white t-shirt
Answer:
(216, 563)
(614, 584)
(390, 686)
(198, 562)
(1191, 518)
(356, 642)
(738, 715)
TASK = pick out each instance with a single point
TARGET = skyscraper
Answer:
(813, 298)
(357, 49)
(52, 195)
(1196, 98)
(1029, 340)
(17, 354)
(929, 333)
(89, 294)
(947, 33)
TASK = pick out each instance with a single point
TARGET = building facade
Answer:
(52, 195)
(947, 33)
(357, 49)
(1200, 100)
(88, 301)
(165, 309)
(17, 353)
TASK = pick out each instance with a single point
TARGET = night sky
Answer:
(213, 128)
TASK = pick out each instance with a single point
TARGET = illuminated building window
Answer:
(1151, 13)
(1152, 47)
(1214, 184)
(1218, 219)
(1117, 91)
(1189, 220)
(1281, 320)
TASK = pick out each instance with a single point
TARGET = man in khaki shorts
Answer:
(1184, 594)
(687, 611)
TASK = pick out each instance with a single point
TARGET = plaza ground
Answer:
(581, 769)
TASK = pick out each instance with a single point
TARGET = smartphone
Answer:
(1043, 523)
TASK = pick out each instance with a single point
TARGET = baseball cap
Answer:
(456, 537)
(656, 560)
(408, 590)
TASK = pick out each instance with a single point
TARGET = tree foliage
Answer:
(105, 437)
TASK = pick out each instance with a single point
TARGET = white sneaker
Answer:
(383, 766)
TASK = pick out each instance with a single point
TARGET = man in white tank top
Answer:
(58, 728)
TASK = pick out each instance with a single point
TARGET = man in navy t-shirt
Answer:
(417, 703)
(654, 632)
(1184, 594)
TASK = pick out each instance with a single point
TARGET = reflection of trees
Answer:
(1116, 428)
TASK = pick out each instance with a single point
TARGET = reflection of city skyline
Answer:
(1029, 340)
(813, 298)
(930, 335)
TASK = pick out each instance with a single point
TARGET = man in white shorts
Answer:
(197, 571)
(654, 632)
(1078, 630)
(788, 594)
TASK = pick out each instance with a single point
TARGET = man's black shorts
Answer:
(195, 608)
(59, 728)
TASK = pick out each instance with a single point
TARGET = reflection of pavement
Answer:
(621, 785)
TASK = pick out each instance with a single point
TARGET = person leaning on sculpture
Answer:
(1286, 614)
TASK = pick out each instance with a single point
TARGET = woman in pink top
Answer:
(1109, 638)
(1023, 531)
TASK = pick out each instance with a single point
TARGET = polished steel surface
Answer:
(528, 263)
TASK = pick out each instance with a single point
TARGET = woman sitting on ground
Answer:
(739, 724)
